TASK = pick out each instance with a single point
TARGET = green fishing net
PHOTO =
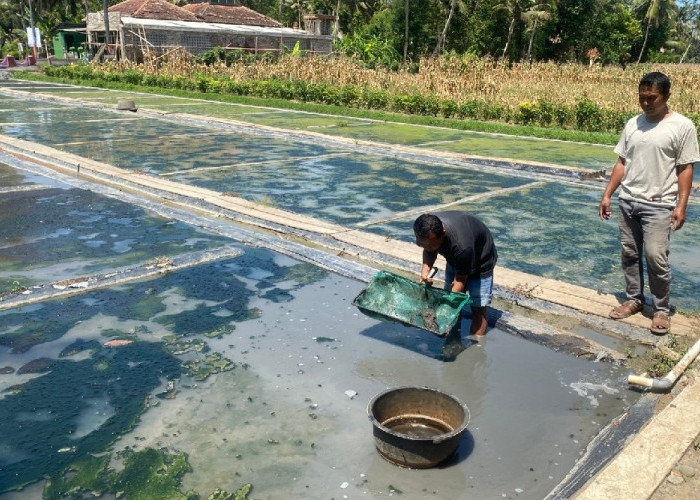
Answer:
(390, 297)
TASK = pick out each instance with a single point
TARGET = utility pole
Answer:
(31, 26)
(106, 15)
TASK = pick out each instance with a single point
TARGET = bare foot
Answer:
(479, 321)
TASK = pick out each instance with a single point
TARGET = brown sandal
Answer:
(626, 310)
(661, 323)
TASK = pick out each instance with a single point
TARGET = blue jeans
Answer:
(480, 290)
(646, 228)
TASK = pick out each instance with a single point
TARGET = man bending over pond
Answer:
(467, 246)
(654, 171)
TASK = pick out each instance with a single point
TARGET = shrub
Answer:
(132, 76)
(528, 112)
(375, 99)
(211, 57)
(448, 108)
(588, 115)
(562, 116)
(490, 110)
(349, 95)
(468, 109)
(545, 112)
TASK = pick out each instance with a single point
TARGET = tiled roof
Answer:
(230, 14)
(153, 9)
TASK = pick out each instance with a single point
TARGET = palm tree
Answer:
(689, 26)
(533, 15)
(299, 6)
(530, 11)
(105, 10)
(513, 9)
(443, 35)
(405, 31)
(654, 12)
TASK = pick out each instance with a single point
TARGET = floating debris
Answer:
(350, 393)
(170, 392)
(117, 342)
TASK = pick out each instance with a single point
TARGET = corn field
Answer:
(466, 78)
(549, 95)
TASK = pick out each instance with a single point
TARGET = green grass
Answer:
(468, 125)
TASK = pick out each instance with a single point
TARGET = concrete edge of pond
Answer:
(646, 460)
(116, 276)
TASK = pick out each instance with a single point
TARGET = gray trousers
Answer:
(646, 228)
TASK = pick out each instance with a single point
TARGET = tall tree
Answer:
(689, 26)
(406, 10)
(655, 11)
(514, 10)
(532, 16)
(443, 34)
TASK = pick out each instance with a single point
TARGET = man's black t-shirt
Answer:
(468, 244)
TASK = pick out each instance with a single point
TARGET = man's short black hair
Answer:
(426, 224)
(658, 80)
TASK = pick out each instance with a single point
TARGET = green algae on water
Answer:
(211, 364)
(40, 415)
(147, 474)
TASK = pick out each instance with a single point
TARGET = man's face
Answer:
(430, 243)
(652, 101)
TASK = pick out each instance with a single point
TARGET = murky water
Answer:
(280, 417)
(420, 428)
(57, 232)
(246, 365)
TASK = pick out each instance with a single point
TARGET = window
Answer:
(156, 41)
(196, 44)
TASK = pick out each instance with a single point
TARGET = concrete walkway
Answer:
(644, 463)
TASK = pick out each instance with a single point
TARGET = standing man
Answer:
(654, 171)
(467, 246)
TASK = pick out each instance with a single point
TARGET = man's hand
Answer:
(604, 208)
(685, 183)
(459, 285)
(427, 275)
(677, 218)
(616, 175)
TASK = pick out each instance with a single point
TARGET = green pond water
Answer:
(471, 143)
(548, 230)
(54, 232)
(81, 395)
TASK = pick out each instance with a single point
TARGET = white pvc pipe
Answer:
(664, 384)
